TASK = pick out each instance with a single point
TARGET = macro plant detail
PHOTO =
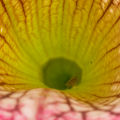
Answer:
(71, 47)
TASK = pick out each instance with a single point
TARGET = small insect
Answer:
(71, 82)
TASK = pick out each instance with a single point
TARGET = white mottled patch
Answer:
(1, 30)
(115, 88)
(111, 11)
(116, 2)
(103, 3)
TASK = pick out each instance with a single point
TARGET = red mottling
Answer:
(18, 116)
(40, 104)
(5, 115)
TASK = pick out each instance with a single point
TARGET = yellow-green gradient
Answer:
(84, 31)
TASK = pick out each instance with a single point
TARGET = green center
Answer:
(61, 74)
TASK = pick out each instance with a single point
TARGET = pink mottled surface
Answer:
(39, 104)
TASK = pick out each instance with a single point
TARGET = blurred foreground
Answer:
(40, 104)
